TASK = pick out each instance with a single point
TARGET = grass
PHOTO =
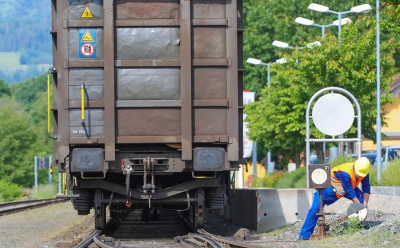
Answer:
(351, 226)
(44, 191)
(391, 174)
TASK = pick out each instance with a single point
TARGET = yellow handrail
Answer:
(83, 103)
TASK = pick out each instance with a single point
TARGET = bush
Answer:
(268, 181)
(341, 160)
(391, 175)
(9, 191)
(297, 177)
(301, 183)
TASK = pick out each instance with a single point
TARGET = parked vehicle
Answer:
(389, 153)
(370, 154)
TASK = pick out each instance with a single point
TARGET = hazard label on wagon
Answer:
(87, 50)
(87, 43)
(87, 36)
(87, 14)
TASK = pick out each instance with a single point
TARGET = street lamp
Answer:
(307, 22)
(364, 8)
(268, 65)
(282, 44)
(378, 95)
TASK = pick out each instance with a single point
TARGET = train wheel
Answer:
(100, 220)
(198, 215)
(100, 211)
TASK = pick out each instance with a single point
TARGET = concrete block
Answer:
(385, 190)
(265, 209)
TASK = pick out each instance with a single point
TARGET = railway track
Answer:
(169, 230)
(14, 207)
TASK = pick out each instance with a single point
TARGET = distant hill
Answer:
(25, 29)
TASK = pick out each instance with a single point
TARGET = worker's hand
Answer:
(366, 204)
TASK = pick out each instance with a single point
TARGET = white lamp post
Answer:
(282, 44)
(307, 22)
(268, 65)
(364, 8)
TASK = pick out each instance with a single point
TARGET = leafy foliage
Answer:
(23, 135)
(9, 191)
(267, 181)
(291, 179)
(4, 88)
(26, 91)
(391, 11)
(277, 120)
(18, 143)
(351, 226)
(266, 21)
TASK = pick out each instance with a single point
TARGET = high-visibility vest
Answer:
(337, 184)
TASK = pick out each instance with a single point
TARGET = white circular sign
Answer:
(319, 176)
(87, 49)
(333, 114)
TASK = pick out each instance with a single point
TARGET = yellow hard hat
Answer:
(362, 166)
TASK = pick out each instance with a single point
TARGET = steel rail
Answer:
(12, 207)
(86, 242)
(198, 240)
(100, 243)
(224, 241)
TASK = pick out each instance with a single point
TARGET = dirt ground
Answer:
(32, 228)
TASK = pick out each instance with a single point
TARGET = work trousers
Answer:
(328, 197)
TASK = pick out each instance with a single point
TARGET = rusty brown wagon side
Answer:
(146, 97)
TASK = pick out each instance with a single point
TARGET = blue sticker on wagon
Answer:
(87, 43)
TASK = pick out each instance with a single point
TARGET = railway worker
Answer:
(344, 178)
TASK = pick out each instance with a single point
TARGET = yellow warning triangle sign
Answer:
(87, 13)
(87, 37)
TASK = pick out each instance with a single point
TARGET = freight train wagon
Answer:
(146, 97)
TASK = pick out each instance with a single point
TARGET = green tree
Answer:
(266, 21)
(277, 120)
(38, 114)
(391, 14)
(18, 144)
(4, 88)
(26, 91)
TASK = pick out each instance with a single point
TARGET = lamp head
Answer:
(343, 21)
(363, 8)
(253, 61)
(280, 44)
(281, 61)
(304, 21)
(318, 7)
